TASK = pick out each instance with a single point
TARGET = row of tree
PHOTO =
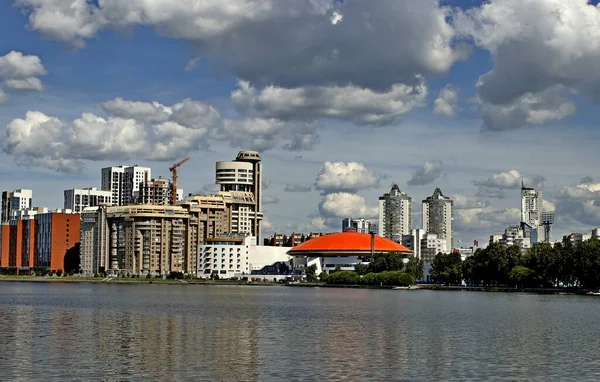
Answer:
(383, 269)
(563, 264)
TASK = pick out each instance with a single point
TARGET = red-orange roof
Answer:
(347, 243)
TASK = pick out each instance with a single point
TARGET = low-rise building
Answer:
(513, 235)
(236, 257)
(292, 240)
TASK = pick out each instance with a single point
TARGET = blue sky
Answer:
(310, 83)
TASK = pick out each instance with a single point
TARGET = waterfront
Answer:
(154, 332)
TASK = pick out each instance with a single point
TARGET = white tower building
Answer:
(77, 199)
(438, 218)
(124, 182)
(17, 200)
(241, 180)
(395, 214)
(532, 205)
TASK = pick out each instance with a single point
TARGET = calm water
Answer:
(178, 332)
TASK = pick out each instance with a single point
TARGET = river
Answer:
(53, 331)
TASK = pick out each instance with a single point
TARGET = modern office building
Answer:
(532, 206)
(124, 182)
(241, 185)
(236, 256)
(77, 199)
(395, 214)
(56, 232)
(359, 225)
(438, 217)
(16, 200)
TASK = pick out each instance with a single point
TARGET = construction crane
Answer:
(173, 170)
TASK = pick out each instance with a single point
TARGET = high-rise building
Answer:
(157, 192)
(13, 201)
(241, 184)
(359, 225)
(77, 199)
(94, 241)
(124, 182)
(532, 205)
(395, 214)
(438, 218)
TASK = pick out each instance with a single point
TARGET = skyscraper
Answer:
(395, 214)
(124, 183)
(241, 185)
(438, 218)
(532, 204)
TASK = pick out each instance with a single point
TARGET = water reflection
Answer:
(145, 332)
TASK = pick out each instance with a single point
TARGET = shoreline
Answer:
(430, 287)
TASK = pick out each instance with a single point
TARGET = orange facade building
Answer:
(38, 243)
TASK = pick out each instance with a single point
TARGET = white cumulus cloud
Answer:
(351, 177)
(446, 101)
(542, 50)
(510, 180)
(349, 103)
(344, 204)
(20, 72)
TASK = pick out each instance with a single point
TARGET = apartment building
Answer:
(77, 199)
(13, 201)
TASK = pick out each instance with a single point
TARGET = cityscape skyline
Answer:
(458, 115)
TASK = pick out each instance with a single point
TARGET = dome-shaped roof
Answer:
(346, 243)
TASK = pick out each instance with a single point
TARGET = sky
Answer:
(342, 98)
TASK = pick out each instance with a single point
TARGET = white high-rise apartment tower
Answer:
(395, 214)
(241, 181)
(124, 183)
(13, 201)
(438, 218)
(532, 205)
(77, 199)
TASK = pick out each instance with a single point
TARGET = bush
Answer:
(323, 276)
(96, 275)
(59, 272)
(148, 276)
(343, 277)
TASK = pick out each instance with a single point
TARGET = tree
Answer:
(361, 269)
(522, 276)
(447, 268)
(323, 276)
(416, 268)
(392, 261)
(311, 273)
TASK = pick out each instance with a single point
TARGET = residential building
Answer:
(124, 182)
(513, 235)
(94, 236)
(157, 192)
(465, 252)
(359, 225)
(241, 185)
(438, 217)
(77, 199)
(235, 256)
(292, 240)
(577, 238)
(532, 205)
(395, 214)
(14, 201)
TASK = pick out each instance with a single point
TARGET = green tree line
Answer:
(563, 264)
(383, 269)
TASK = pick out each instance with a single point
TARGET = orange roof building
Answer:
(347, 243)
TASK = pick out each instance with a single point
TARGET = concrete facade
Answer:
(77, 199)
(13, 201)
(438, 217)
(123, 182)
(235, 256)
(395, 214)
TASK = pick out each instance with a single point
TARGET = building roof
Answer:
(344, 244)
